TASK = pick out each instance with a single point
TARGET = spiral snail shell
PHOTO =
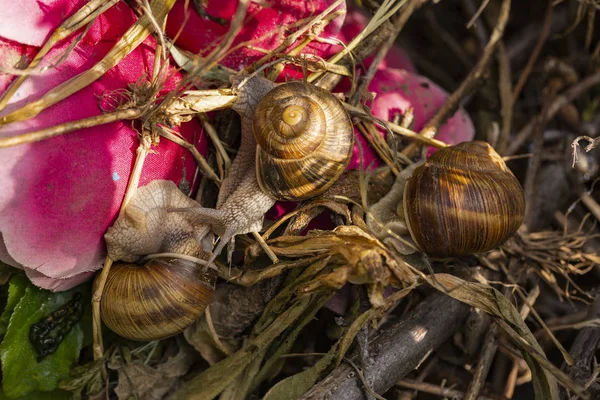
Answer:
(462, 200)
(168, 292)
(304, 141)
(156, 300)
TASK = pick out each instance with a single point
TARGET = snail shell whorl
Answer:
(463, 200)
(305, 139)
(157, 300)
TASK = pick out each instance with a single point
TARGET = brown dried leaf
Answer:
(140, 380)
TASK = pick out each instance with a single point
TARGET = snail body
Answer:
(261, 171)
(166, 294)
(462, 200)
(157, 300)
(305, 140)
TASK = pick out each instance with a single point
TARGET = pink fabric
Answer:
(266, 26)
(60, 195)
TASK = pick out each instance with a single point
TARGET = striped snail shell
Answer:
(305, 140)
(462, 200)
(167, 293)
(156, 300)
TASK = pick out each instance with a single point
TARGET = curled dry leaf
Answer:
(60, 195)
(361, 259)
(141, 380)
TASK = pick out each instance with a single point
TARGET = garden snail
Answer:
(462, 200)
(305, 139)
(156, 300)
(165, 295)
(277, 166)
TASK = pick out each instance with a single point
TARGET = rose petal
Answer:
(60, 195)
(31, 21)
(265, 27)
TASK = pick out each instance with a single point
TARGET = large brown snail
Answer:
(462, 200)
(305, 139)
(156, 300)
(164, 295)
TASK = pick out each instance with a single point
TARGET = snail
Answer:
(166, 294)
(463, 200)
(305, 140)
(157, 300)
(297, 139)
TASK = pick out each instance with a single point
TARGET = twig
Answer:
(84, 16)
(58, 130)
(547, 114)
(100, 282)
(583, 350)
(474, 77)
(133, 37)
(545, 32)
(482, 7)
(402, 346)
(399, 23)
(506, 99)
(265, 247)
(436, 390)
(484, 364)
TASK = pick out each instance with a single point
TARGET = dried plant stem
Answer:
(326, 16)
(591, 205)
(85, 15)
(198, 71)
(265, 247)
(357, 112)
(385, 11)
(506, 99)
(214, 136)
(474, 77)
(406, 344)
(130, 40)
(475, 16)
(385, 47)
(58, 130)
(100, 282)
(549, 112)
(378, 144)
(202, 163)
(484, 364)
(545, 32)
(560, 376)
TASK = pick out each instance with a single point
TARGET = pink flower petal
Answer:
(30, 22)
(266, 26)
(60, 195)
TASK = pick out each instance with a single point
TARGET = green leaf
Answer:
(16, 290)
(22, 374)
(54, 395)
(293, 387)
